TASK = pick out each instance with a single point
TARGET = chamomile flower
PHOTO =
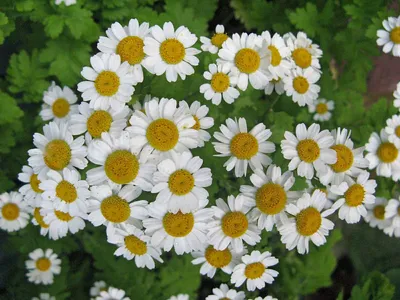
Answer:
(56, 150)
(354, 195)
(97, 287)
(112, 293)
(220, 86)
(128, 43)
(304, 54)
(392, 213)
(255, 270)
(330, 197)
(38, 220)
(396, 95)
(183, 232)
(42, 266)
(134, 244)
(275, 84)
(309, 149)
(31, 191)
(223, 292)
(321, 108)
(170, 51)
(215, 43)
(232, 225)
(308, 223)
(59, 103)
(393, 130)
(44, 296)
(376, 214)
(179, 297)
(247, 60)
(109, 83)
(243, 148)
(389, 38)
(14, 212)
(301, 85)
(66, 2)
(278, 55)
(180, 182)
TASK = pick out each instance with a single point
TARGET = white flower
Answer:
(31, 191)
(14, 212)
(301, 85)
(58, 103)
(309, 149)
(243, 148)
(275, 84)
(39, 221)
(265, 298)
(179, 297)
(322, 109)
(392, 212)
(42, 266)
(389, 38)
(247, 59)
(97, 287)
(169, 51)
(112, 294)
(220, 86)
(66, 2)
(330, 197)
(307, 223)
(304, 54)
(396, 95)
(109, 82)
(354, 194)
(223, 292)
(214, 44)
(376, 214)
(255, 270)
(232, 225)
(44, 296)
(393, 130)
(56, 150)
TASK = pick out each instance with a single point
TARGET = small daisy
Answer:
(183, 232)
(38, 220)
(108, 82)
(396, 95)
(389, 38)
(330, 197)
(255, 270)
(392, 213)
(112, 294)
(170, 51)
(66, 2)
(97, 287)
(14, 212)
(353, 196)
(393, 130)
(223, 292)
(232, 225)
(304, 53)
(383, 155)
(31, 191)
(247, 59)
(309, 149)
(308, 223)
(42, 266)
(44, 296)
(220, 86)
(322, 109)
(179, 297)
(376, 214)
(243, 147)
(215, 43)
(56, 150)
(134, 244)
(301, 86)
(275, 84)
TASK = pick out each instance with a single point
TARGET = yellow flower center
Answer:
(244, 146)
(302, 57)
(66, 191)
(34, 182)
(379, 212)
(275, 56)
(395, 35)
(387, 152)
(300, 84)
(121, 166)
(135, 245)
(99, 122)
(60, 108)
(181, 182)
(107, 83)
(308, 150)
(66, 217)
(196, 125)
(308, 221)
(397, 131)
(10, 211)
(254, 270)
(234, 224)
(43, 264)
(271, 198)
(57, 154)
(345, 158)
(354, 196)
(38, 217)
(218, 39)
(162, 134)
(172, 51)
(179, 224)
(321, 108)
(247, 60)
(115, 209)
(218, 258)
(131, 49)
(220, 82)
(398, 210)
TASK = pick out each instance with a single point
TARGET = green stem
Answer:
(274, 102)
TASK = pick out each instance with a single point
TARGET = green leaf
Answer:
(375, 286)
(279, 123)
(306, 18)
(6, 27)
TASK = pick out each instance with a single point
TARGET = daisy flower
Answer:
(376, 214)
(215, 43)
(14, 212)
(108, 82)
(275, 84)
(66, 2)
(220, 86)
(301, 85)
(223, 292)
(38, 220)
(170, 51)
(58, 103)
(247, 60)
(393, 130)
(309, 149)
(180, 182)
(31, 191)
(232, 225)
(56, 150)
(97, 287)
(354, 194)
(243, 147)
(383, 155)
(255, 270)
(128, 43)
(392, 213)
(42, 266)
(304, 53)
(308, 223)
(321, 108)
(44, 296)
(112, 294)
(330, 197)
(179, 297)
(396, 95)
(134, 244)
(183, 232)
(389, 38)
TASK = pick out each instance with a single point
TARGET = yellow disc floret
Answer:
(244, 146)
(57, 154)
(275, 56)
(308, 150)
(179, 224)
(131, 49)
(234, 224)
(115, 209)
(395, 35)
(308, 221)
(107, 83)
(65, 217)
(135, 245)
(121, 166)
(247, 60)
(321, 108)
(397, 131)
(300, 84)
(220, 82)
(43, 264)
(162, 134)
(181, 182)
(354, 196)
(254, 270)
(10, 211)
(172, 51)
(66, 191)
(271, 198)
(387, 152)
(218, 258)
(345, 158)
(196, 125)
(218, 39)
(379, 212)
(302, 57)
(34, 182)
(99, 122)
(39, 218)
(60, 108)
